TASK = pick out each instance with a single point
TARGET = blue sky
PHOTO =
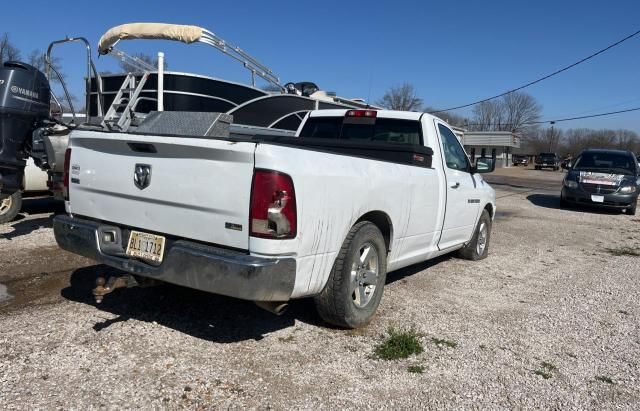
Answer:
(453, 52)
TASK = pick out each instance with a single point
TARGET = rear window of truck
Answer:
(384, 130)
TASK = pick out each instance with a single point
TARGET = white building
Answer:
(490, 143)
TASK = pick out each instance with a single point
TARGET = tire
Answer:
(345, 301)
(564, 203)
(632, 210)
(10, 207)
(478, 247)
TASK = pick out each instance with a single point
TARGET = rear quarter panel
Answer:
(332, 193)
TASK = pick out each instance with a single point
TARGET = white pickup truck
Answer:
(323, 214)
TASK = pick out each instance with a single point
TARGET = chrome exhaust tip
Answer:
(274, 307)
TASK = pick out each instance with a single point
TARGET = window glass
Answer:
(454, 154)
(606, 163)
(384, 130)
(322, 127)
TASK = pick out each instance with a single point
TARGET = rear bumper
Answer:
(613, 201)
(185, 263)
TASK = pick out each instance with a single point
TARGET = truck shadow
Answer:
(40, 205)
(24, 226)
(403, 273)
(553, 201)
(202, 315)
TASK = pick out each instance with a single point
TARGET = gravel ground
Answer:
(550, 292)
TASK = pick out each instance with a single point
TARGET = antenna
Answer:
(370, 84)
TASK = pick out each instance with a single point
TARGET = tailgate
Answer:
(198, 188)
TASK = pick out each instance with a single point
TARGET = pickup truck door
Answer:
(462, 199)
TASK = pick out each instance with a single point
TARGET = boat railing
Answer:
(250, 63)
(91, 70)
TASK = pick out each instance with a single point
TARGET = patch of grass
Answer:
(543, 374)
(415, 369)
(545, 370)
(399, 344)
(289, 338)
(623, 251)
(356, 332)
(441, 342)
(604, 378)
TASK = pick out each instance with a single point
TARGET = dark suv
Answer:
(603, 178)
(548, 160)
(519, 159)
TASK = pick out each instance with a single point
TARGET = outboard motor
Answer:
(24, 104)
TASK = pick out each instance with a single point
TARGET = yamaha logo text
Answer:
(25, 92)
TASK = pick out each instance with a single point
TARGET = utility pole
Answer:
(551, 138)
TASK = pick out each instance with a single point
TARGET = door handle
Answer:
(456, 185)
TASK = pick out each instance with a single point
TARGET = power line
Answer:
(589, 116)
(561, 119)
(542, 78)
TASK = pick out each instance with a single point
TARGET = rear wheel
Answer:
(478, 247)
(10, 206)
(354, 289)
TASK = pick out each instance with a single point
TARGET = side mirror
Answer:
(484, 165)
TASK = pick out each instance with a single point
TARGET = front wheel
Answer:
(478, 247)
(354, 289)
(10, 206)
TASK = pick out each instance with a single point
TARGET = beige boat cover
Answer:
(186, 34)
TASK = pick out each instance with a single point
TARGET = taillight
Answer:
(362, 113)
(273, 205)
(67, 166)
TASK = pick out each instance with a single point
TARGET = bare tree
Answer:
(520, 110)
(488, 116)
(544, 140)
(7, 50)
(36, 59)
(402, 98)
(128, 67)
(576, 140)
(628, 140)
(514, 112)
(449, 117)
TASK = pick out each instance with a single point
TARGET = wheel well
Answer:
(489, 208)
(383, 222)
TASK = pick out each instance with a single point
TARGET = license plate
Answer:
(597, 199)
(544, 164)
(146, 246)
